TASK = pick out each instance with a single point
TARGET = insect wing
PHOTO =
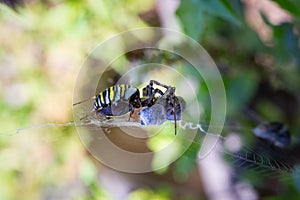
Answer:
(120, 107)
(121, 104)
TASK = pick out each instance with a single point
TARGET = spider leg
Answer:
(77, 103)
(158, 83)
(147, 90)
(150, 102)
(174, 111)
(130, 114)
(149, 94)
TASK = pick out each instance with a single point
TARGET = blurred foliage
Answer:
(193, 13)
(291, 6)
(258, 73)
(161, 194)
(239, 50)
(40, 42)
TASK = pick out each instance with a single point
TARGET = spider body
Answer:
(167, 106)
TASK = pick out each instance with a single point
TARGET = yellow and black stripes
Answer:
(114, 94)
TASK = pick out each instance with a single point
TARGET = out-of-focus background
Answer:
(255, 44)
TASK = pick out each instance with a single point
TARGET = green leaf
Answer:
(239, 90)
(221, 8)
(191, 16)
(291, 6)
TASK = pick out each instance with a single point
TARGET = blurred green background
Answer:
(254, 43)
